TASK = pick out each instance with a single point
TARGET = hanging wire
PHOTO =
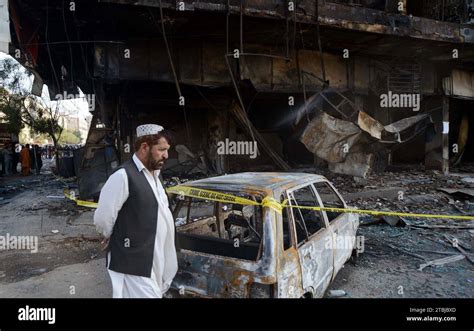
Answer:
(52, 67)
(47, 45)
(168, 51)
(294, 27)
(170, 59)
(227, 26)
(239, 97)
(241, 26)
(323, 69)
(287, 32)
(69, 44)
(86, 67)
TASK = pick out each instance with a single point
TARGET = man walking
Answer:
(134, 216)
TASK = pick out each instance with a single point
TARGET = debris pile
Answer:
(429, 242)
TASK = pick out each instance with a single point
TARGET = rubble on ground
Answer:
(430, 246)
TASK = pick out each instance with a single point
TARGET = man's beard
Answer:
(152, 164)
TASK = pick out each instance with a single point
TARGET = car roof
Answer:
(255, 181)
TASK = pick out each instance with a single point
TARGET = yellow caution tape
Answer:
(72, 196)
(80, 202)
(383, 213)
(210, 195)
(271, 203)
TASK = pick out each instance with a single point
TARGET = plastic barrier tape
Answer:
(83, 203)
(271, 203)
(278, 207)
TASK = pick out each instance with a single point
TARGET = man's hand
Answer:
(105, 243)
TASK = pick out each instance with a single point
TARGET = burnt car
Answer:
(228, 250)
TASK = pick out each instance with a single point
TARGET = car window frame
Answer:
(187, 203)
(322, 213)
(337, 194)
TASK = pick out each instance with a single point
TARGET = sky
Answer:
(77, 106)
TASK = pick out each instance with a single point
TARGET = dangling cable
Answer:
(241, 26)
(172, 66)
(47, 45)
(69, 44)
(227, 27)
(323, 69)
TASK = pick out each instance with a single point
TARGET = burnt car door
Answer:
(312, 236)
(289, 271)
(342, 224)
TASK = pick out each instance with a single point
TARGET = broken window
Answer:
(220, 229)
(329, 198)
(241, 224)
(197, 216)
(307, 221)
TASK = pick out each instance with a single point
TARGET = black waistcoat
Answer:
(133, 237)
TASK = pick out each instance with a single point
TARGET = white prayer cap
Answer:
(147, 129)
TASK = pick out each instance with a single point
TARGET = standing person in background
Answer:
(25, 160)
(2, 160)
(32, 158)
(38, 162)
(7, 159)
(15, 157)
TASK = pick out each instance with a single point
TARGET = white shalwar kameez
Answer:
(112, 197)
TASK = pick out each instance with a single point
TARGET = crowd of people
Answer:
(30, 156)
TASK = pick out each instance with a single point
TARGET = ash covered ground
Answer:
(396, 262)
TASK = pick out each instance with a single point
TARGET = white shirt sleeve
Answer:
(113, 195)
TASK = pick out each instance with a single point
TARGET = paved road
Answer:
(82, 280)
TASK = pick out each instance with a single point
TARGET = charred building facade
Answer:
(354, 85)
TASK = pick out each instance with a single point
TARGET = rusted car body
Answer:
(245, 251)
